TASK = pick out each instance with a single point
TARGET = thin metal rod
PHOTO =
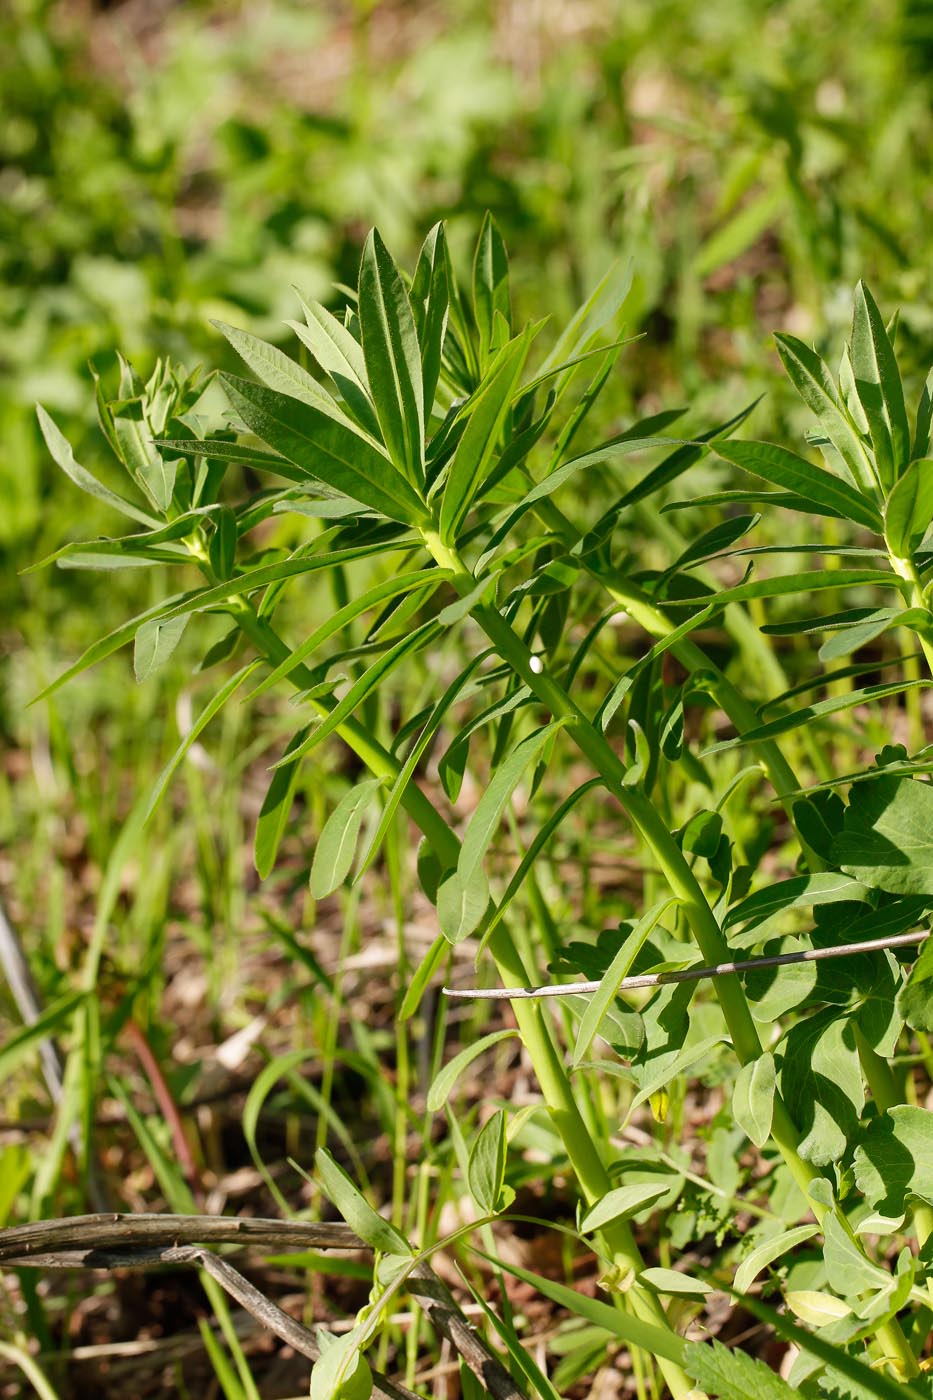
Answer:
(688, 974)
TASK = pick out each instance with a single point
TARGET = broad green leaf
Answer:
(276, 805)
(355, 1209)
(212, 708)
(887, 841)
(340, 356)
(800, 891)
(277, 371)
(327, 449)
(393, 358)
(155, 642)
(622, 1204)
(381, 593)
(821, 1080)
(879, 388)
(915, 998)
(490, 281)
(486, 1172)
(342, 1371)
(909, 509)
(462, 900)
(444, 1081)
(336, 845)
(476, 446)
(785, 469)
(848, 1270)
(753, 1098)
(63, 457)
(767, 1252)
(732, 1374)
(816, 1308)
(814, 384)
(894, 1160)
(834, 705)
(618, 968)
(430, 299)
(369, 681)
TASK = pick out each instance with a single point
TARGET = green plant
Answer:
(420, 475)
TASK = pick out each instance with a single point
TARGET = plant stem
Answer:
(556, 1088)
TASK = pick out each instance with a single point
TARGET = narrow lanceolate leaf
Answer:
(276, 805)
(340, 356)
(63, 457)
(355, 1208)
(212, 708)
(485, 820)
(430, 301)
(277, 370)
(478, 442)
(217, 450)
(486, 1172)
(792, 473)
(814, 384)
(336, 845)
(909, 509)
(153, 472)
(879, 388)
(597, 311)
(327, 449)
(444, 1081)
(618, 968)
(393, 358)
(490, 281)
(623, 1203)
(767, 1252)
(819, 708)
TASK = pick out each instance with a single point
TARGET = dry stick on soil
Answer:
(689, 974)
(134, 1241)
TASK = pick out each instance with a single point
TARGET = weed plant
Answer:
(481, 568)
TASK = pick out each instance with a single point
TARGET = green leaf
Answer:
(462, 900)
(848, 1270)
(733, 1375)
(753, 1098)
(767, 1252)
(430, 300)
(212, 708)
(326, 449)
(443, 1082)
(381, 593)
(716, 540)
(476, 446)
(340, 356)
(800, 891)
(486, 1172)
(887, 841)
(879, 388)
(53, 1020)
(485, 820)
(672, 1281)
(821, 1080)
(342, 1371)
(370, 681)
(909, 509)
(276, 805)
(393, 358)
(814, 384)
(336, 845)
(223, 543)
(357, 1212)
(490, 281)
(792, 473)
(277, 371)
(832, 706)
(421, 977)
(600, 1003)
(894, 1160)
(915, 998)
(603, 304)
(622, 1204)
(155, 642)
(219, 450)
(63, 457)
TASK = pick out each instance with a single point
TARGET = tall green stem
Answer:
(556, 1089)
